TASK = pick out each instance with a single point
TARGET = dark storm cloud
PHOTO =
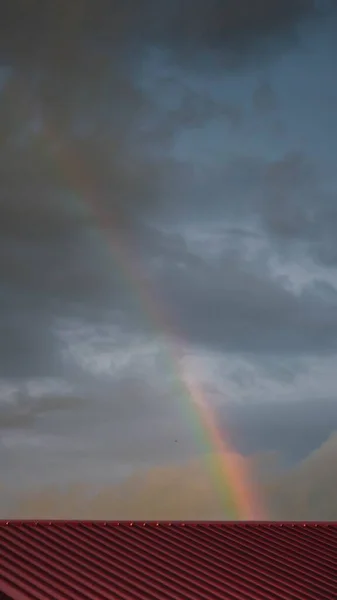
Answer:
(28, 26)
(74, 78)
(71, 122)
(233, 28)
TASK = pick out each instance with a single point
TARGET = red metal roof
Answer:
(144, 561)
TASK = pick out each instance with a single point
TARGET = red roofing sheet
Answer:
(81, 561)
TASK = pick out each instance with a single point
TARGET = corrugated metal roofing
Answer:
(144, 561)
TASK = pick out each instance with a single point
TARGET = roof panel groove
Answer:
(138, 561)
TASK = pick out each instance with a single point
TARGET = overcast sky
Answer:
(200, 136)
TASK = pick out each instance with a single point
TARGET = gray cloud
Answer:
(24, 410)
(91, 154)
(305, 492)
(291, 429)
(247, 308)
(114, 428)
(290, 199)
(26, 347)
(237, 305)
(308, 491)
(297, 208)
(264, 98)
(145, 495)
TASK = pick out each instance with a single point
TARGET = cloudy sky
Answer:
(166, 168)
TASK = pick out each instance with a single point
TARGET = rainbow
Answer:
(228, 471)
